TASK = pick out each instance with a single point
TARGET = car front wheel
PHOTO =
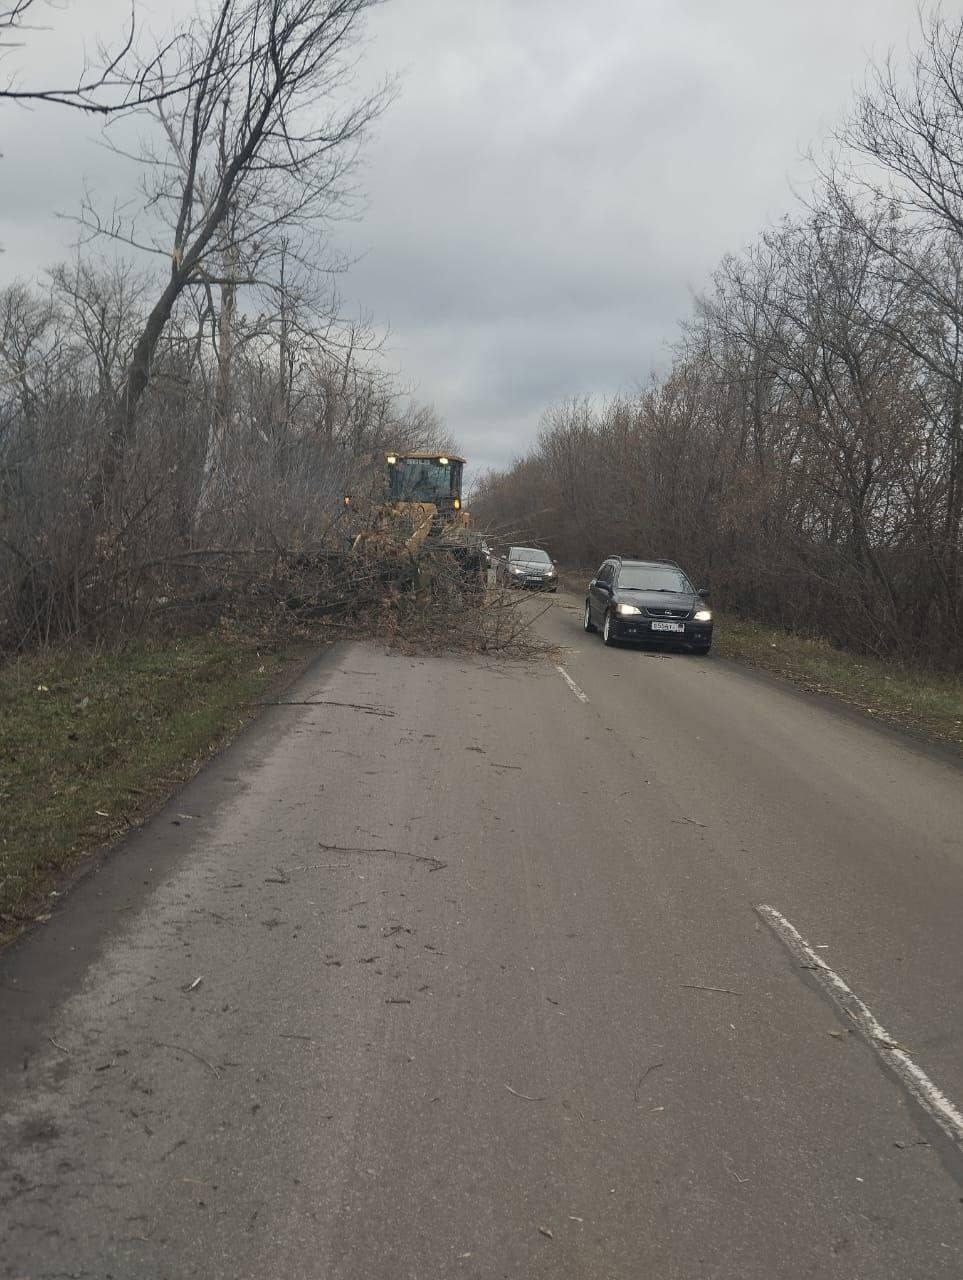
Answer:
(608, 634)
(587, 622)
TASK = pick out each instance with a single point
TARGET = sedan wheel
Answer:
(587, 622)
(608, 635)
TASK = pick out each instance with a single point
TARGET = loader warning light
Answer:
(391, 459)
(346, 500)
(443, 462)
(457, 504)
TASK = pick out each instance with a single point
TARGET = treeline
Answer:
(804, 451)
(228, 476)
(175, 438)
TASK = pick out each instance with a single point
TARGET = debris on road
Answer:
(645, 1074)
(179, 1048)
(434, 864)
(697, 986)
(525, 1096)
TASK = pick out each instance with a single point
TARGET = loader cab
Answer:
(426, 477)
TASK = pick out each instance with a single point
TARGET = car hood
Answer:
(529, 565)
(656, 600)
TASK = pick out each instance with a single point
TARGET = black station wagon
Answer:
(647, 601)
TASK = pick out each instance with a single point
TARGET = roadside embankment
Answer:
(91, 742)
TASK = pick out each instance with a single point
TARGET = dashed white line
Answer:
(930, 1097)
(582, 697)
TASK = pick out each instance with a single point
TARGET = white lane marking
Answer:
(914, 1079)
(582, 697)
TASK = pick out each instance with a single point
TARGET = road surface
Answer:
(452, 968)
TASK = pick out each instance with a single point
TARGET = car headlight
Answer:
(552, 573)
(703, 615)
(513, 568)
(626, 609)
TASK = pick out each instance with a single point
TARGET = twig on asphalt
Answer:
(697, 986)
(434, 864)
(292, 1035)
(164, 1044)
(527, 1097)
(647, 1072)
(62, 1047)
(366, 707)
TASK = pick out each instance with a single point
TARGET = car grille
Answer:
(675, 614)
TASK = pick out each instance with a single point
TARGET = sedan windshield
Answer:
(531, 555)
(653, 577)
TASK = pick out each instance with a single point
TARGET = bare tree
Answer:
(113, 84)
(261, 138)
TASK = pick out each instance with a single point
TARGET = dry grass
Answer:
(91, 742)
(907, 698)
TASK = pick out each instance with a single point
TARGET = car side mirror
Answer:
(703, 593)
(591, 584)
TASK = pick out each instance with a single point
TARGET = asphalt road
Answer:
(451, 968)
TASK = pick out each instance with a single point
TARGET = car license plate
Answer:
(668, 626)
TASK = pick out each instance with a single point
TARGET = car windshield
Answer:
(653, 577)
(531, 555)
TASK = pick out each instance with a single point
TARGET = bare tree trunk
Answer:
(120, 436)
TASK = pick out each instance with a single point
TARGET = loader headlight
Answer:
(703, 615)
(457, 504)
(443, 462)
(625, 609)
(391, 459)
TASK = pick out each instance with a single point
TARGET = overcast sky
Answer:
(553, 182)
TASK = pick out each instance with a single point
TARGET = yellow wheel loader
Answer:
(415, 512)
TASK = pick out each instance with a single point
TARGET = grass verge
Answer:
(926, 704)
(92, 742)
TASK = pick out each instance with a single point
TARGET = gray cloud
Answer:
(553, 181)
